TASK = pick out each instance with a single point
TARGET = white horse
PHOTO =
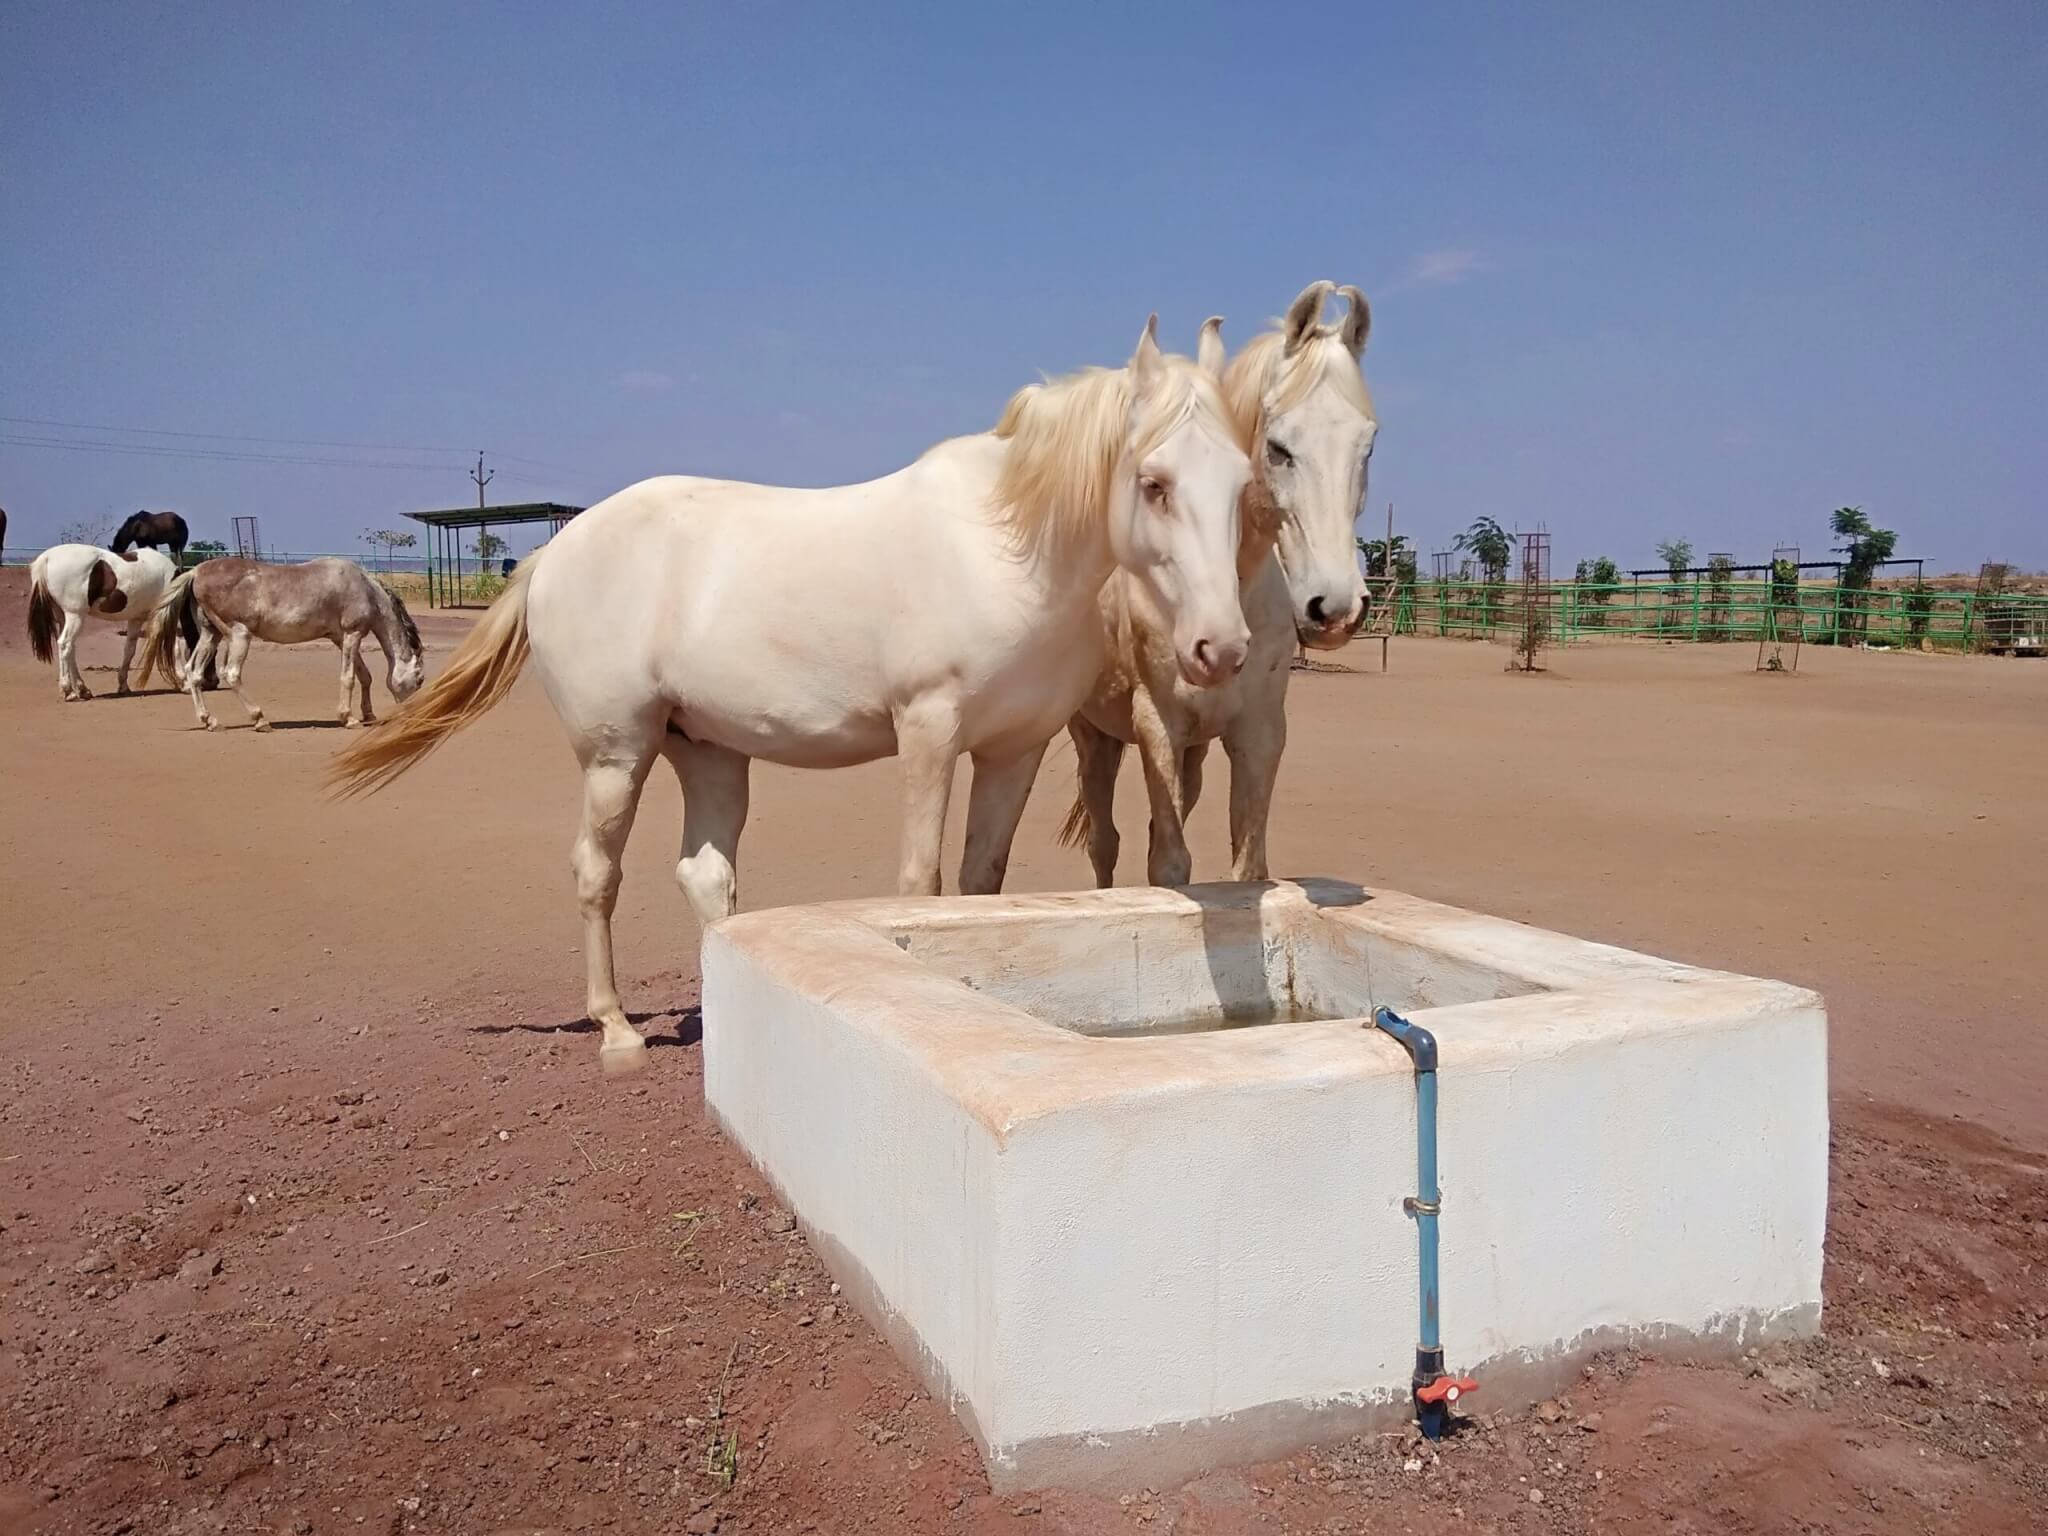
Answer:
(70, 583)
(1298, 396)
(947, 608)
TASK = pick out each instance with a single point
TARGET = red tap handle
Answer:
(1446, 1389)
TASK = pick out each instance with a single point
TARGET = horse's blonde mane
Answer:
(1067, 435)
(1264, 369)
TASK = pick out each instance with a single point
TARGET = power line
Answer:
(227, 437)
(219, 455)
(280, 442)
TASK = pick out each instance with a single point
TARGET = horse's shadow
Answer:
(689, 1028)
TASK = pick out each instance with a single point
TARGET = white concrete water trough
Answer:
(1137, 1183)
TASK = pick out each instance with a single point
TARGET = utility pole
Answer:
(481, 478)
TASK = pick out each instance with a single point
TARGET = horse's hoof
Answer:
(260, 725)
(209, 725)
(622, 1060)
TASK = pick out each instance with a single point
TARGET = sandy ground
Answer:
(315, 1214)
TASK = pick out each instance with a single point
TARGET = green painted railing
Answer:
(1706, 610)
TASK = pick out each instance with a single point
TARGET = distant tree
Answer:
(84, 530)
(203, 549)
(389, 539)
(488, 547)
(1490, 544)
(1677, 557)
(1599, 576)
(1374, 552)
(1863, 549)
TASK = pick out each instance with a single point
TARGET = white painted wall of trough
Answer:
(1126, 1258)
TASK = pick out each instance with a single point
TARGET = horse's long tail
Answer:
(479, 675)
(44, 619)
(1074, 830)
(175, 611)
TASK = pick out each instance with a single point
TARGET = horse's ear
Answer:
(1209, 349)
(1358, 321)
(1305, 315)
(1147, 366)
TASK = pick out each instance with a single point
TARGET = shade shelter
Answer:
(454, 583)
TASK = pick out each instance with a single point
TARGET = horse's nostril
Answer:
(1202, 654)
(1315, 610)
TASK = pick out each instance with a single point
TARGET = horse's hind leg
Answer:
(715, 795)
(231, 675)
(995, 804)
(351, 662)
(611, 794)
(69, 679)
(195, 673)
(1100, 756)
(1191, 759)
(128, 637)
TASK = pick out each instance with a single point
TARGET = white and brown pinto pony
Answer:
(234, 601)
(1297, 394)
(947, 608)
(70, 583)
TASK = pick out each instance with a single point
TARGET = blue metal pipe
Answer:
(1432, 1401)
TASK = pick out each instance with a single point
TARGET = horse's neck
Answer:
(385, 626)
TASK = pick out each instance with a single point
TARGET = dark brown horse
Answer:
(157, 530)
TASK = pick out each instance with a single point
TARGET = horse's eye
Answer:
(1277, 455)
(1154, 491)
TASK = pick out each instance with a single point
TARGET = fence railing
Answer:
(1707, 610)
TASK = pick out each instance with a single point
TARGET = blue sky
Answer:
(1639, 271)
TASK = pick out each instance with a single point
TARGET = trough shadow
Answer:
(689, 1028)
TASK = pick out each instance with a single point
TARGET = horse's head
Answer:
(1174, 508)
(1314, 433)
(406, 655)
(129, 532)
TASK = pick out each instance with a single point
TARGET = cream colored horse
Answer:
(1299, 397)
(944, 609)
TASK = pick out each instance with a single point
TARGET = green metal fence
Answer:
(1706, 610)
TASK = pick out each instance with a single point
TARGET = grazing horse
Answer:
(153, 530)
(947, 608)
(70, 583)
(1298, 396)
(327, 599)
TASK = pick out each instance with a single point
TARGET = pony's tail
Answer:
(173, 613)
(43, 618)
(1074, 830)
(479, 675)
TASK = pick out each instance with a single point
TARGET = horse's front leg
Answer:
(1254, 741)
(995, 804)
(928, 742)
(1167, 861)
(351, 656)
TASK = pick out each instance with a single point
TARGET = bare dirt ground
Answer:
(316, 1215)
